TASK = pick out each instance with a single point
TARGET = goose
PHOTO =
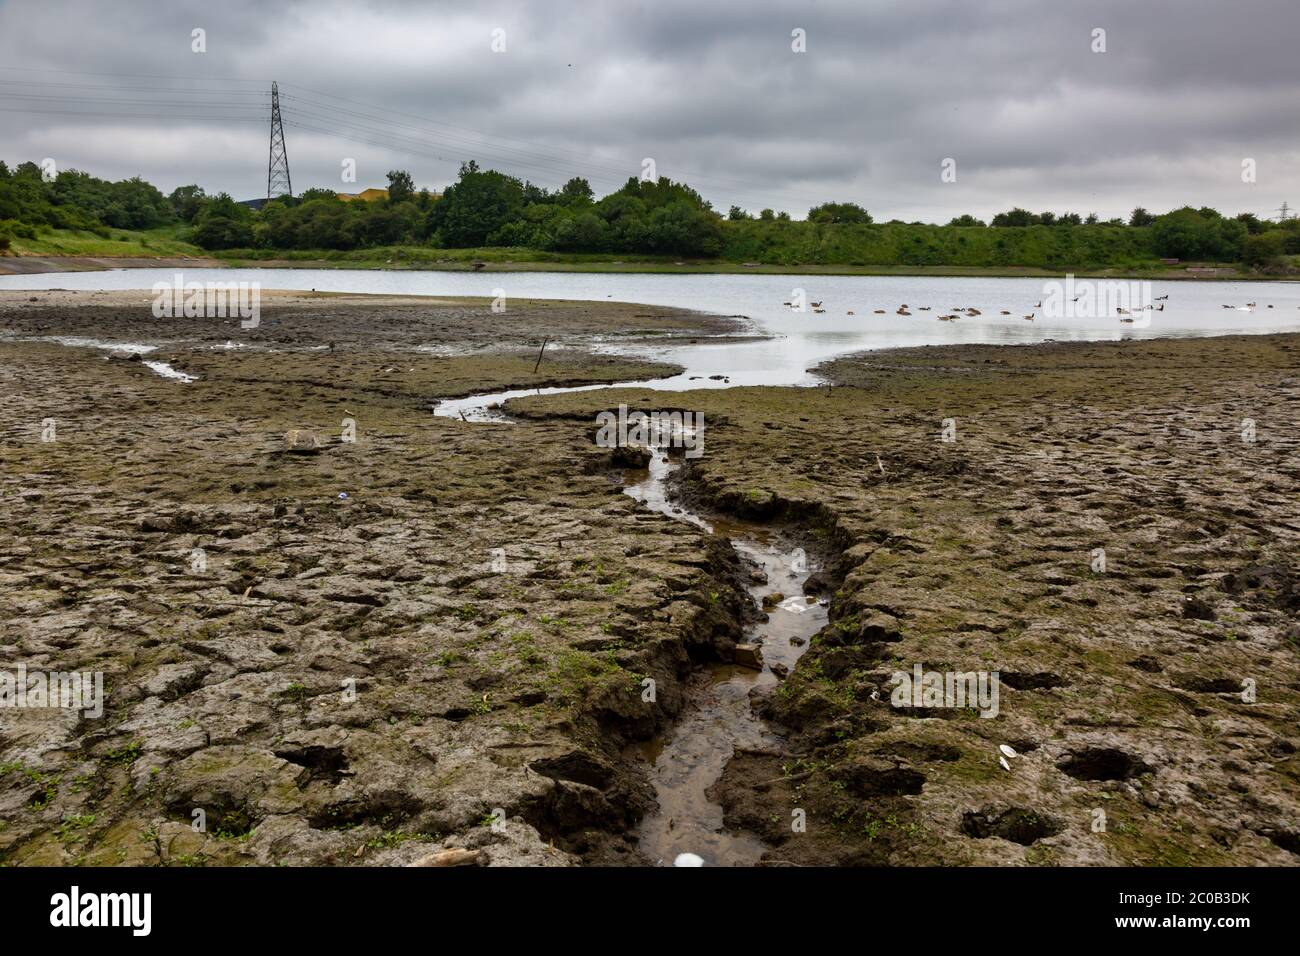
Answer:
(880, 311)
(1038, 305)
(1005, 312)
(851, 312)
(1126, 320)
(926, 308)
(974, 312)
(903, 311)
(814, 304)
(1121, 311)
(1161, 308)
(1160, 298)
(1250, 305)
(819, 311)
(947, 318)
(1029, 318)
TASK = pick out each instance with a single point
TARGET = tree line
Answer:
(485, 207)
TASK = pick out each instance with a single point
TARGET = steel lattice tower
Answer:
(277, 170)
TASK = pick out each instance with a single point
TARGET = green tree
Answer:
(186, 201)
(839, 212)
(475, 206)
(401, 187)
(1265, 250)
(1141, 217)
(576, 190)
(1016, 217)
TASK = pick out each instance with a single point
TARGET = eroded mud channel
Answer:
(718, 719)
(687, 827)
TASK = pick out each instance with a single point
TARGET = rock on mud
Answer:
(300, 441)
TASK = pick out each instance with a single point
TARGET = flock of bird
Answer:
(956, 312)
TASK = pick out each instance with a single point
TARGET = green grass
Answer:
(149, 243)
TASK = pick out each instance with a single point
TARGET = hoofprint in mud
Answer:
(430, 644)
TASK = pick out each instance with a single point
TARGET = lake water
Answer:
(802, 339)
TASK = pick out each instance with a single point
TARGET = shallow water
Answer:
(717, 718)
(802, 339)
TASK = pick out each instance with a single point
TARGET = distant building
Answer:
(366, 195)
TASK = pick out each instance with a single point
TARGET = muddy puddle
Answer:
(718, 719)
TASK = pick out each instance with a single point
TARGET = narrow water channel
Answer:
(717, 719)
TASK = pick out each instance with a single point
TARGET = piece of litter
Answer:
(1003, 761)
(343, 496)
(1007, 750)
(688, 859)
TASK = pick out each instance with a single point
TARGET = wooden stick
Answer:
(539, 356)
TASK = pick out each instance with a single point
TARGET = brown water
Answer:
(717, 719)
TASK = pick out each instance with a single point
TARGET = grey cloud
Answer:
(711, 91)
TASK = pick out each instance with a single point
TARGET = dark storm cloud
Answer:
(712, 92)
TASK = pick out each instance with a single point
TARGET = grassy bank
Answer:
(169, 242)
(126, 243)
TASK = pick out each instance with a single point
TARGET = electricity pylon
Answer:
(277, 170)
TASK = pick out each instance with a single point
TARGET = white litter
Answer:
(688, 859)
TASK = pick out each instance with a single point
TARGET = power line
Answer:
(550, 159)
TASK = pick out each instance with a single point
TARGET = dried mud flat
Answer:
(437, 637)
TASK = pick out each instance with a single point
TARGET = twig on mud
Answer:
(793, 778)
(538, 363)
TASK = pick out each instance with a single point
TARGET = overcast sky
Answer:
(711, 90)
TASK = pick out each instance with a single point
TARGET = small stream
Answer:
(717, 718)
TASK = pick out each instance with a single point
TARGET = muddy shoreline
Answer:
(436, 636)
